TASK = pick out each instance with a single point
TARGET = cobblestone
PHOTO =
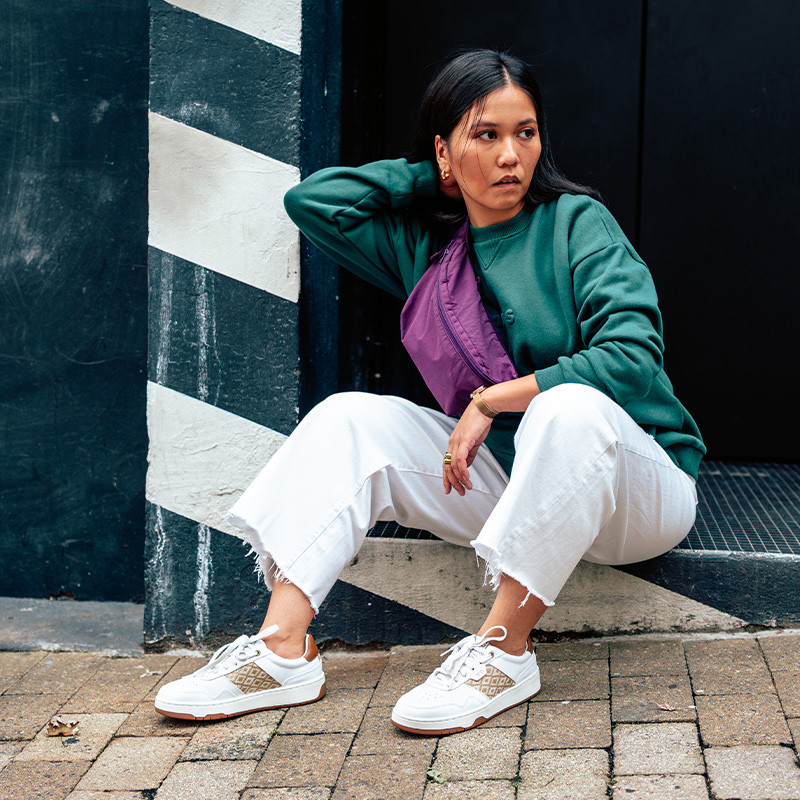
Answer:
(731, 722)
(93, 733)
(733, 719)
(660, 787)
(657, 749)
(573, 680)
(753, 773)
(219, 780)
(560, 774)
(480, 753)
(568, 724)
(652, 658)
(652, 698)
(302, 760)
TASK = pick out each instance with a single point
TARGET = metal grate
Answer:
(746, 508)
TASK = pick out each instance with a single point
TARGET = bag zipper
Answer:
(456, 342)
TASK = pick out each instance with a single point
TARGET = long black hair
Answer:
(466, 80)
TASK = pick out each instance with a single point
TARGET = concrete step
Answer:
(741, 558)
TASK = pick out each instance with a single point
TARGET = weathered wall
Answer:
(73, 297)
(224, 261)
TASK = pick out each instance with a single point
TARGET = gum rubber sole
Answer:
(210, 717)
(478, 721)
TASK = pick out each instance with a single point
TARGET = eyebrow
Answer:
(482, 124)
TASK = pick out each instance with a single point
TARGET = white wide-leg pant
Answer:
(587, 483)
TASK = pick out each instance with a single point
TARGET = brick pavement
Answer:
(692, 719)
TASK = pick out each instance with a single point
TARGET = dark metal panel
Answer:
(225, 82)
(223, 341)
(719, 217)
(73, 161)
(321, 89)
(586, 56)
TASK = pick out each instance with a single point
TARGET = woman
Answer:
(604, 456)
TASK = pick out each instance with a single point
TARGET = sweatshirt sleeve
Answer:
(617, 312)
(352, 215)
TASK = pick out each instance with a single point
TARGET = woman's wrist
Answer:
(511, 396)
(481, 404)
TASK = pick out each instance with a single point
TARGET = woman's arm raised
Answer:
(351, 215)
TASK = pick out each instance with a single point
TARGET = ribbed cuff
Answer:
(549, 377)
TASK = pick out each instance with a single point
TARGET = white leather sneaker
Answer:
(475, 683)
(244, 676)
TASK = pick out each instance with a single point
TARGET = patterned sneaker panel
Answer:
(492, 683)
(252, 678)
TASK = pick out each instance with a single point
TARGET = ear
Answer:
(442, 153)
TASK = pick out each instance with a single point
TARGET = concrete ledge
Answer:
(100, 627)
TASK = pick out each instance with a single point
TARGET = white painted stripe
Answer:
(275, 21)
(220, 205)
(443, 581)
(201, 458)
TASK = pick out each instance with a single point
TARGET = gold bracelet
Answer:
(482, 405)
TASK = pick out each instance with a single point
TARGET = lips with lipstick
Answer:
(507, 180)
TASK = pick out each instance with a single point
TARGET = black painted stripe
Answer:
(225, 82)
(761, 588)
(222, 341)
(238, 602)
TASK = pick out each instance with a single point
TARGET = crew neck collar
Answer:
(500, 230)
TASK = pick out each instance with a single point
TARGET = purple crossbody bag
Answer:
(448, 333)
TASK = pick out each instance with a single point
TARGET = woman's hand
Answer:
(473, 427)
(463, 445)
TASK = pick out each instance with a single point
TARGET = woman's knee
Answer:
(575, 407)
(363, 409)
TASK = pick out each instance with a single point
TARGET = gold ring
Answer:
(448, 457)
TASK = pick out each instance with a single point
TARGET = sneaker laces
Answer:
(239, 649)
(467, 655)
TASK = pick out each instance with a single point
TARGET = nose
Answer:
(508, 152)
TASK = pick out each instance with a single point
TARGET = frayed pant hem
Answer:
(266, 567)
(495, 570)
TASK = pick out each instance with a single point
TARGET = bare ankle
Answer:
(512, 648)
(286, 645)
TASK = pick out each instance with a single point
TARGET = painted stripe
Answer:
(220, 205)
(190, 551)
(444, 581)
(225, 83)
(277, 22)
(199, 581)
(223, 342)
(201, 458)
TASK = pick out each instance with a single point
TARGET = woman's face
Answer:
(492, 155)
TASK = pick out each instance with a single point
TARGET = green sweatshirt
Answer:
(572, 300)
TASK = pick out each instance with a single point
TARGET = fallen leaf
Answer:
(58, 726)
(666, 707)
(436, 776)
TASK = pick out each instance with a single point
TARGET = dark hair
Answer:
(465, 80)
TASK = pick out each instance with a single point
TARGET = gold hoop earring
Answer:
(445, 174)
